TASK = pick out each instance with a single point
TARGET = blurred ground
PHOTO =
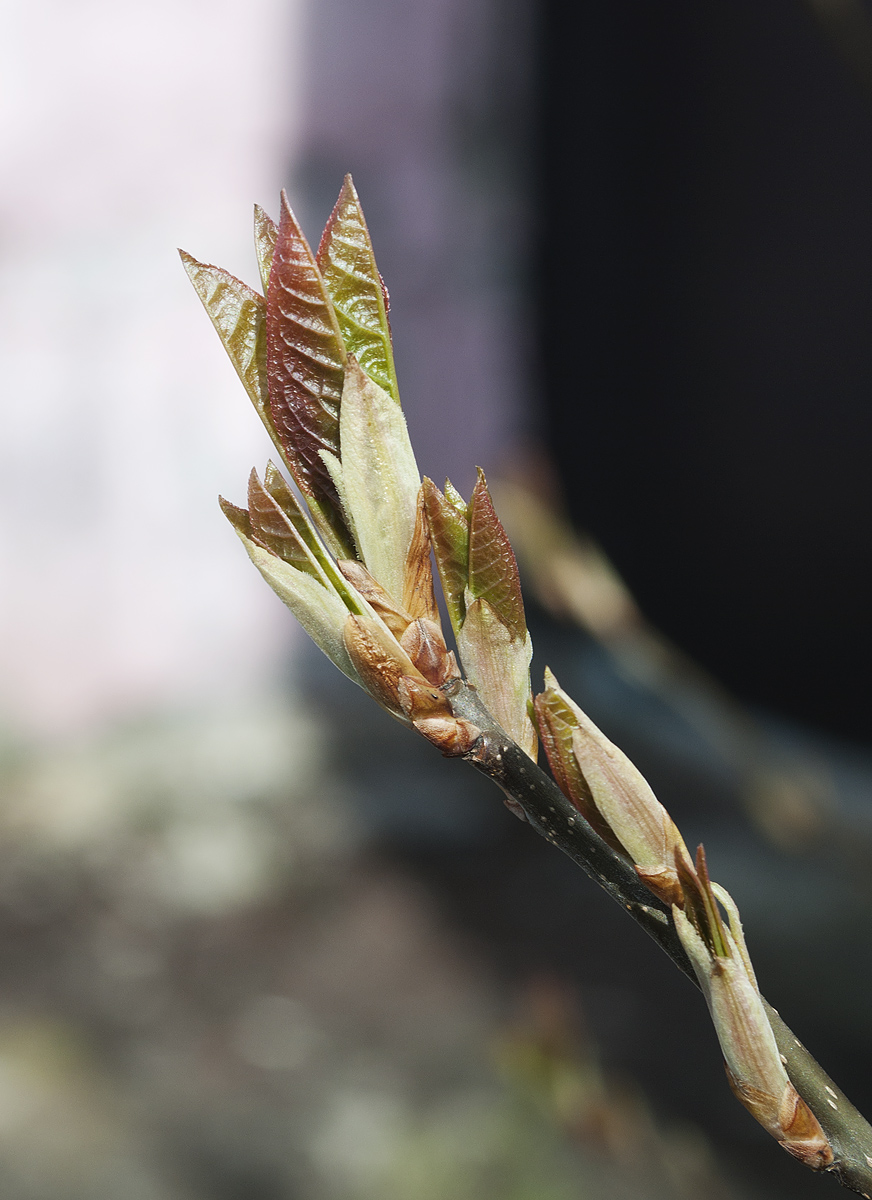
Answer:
(271, 952)
(215, 985)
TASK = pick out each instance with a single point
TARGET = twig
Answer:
(556, 819)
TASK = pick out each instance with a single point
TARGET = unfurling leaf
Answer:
(318, 608)
(305, 370)
(239, 316)
(266, 233)
(493, 571)
(448, 521)
(273, 528)
(480, 580)
(277, 486)
(347, 263)
(380, 478)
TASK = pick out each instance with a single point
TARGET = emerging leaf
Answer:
(239, 316)
(277, 487)
(347, 263)
(273, 528)
(305, 369)
(498, 665)
(380, 476)
(493, 571)
(266, 233)
(319, 609)
(449, 533)
(699, 902)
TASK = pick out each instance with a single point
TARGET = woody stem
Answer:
(556, 819)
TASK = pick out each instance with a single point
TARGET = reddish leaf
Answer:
(238, 517)
(273, 528)
(493, 571)
(347, 263)
(305, 366)
(294, 512)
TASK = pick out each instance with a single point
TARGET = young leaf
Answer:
(277, 487)
(449, 534)
(380, 477)
(305, 368)
(498, 665)
(265, 234)
(347, 263)
(493, 571)
(272, 528)
(239, 316)
(319, 610)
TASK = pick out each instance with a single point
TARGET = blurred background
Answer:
(255, 940)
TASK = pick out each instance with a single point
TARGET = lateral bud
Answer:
(610, 791)
(753, 1063)
(425, 646)
(379, 661)
(430, 713)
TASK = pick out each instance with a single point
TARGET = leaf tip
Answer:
(551, 683)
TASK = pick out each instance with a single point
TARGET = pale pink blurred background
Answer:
(130, 129)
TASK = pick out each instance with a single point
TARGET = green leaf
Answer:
(347, 263)
(449, 535)
(380, 477)
(265, 234)
(239, 316)
(305, 368)
(456, 501)
(493, 571)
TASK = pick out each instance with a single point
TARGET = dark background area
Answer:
(703, 174)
